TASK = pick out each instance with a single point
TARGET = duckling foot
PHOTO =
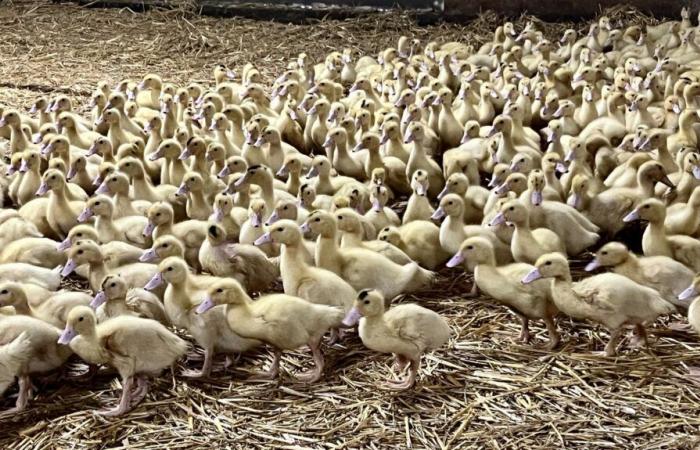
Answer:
(314, 374)
(124, 402)
(679, 326)
(474, 292)
(400, 363)
(310, 376)
(639, 338)
(525, 331)
(206, 368)
(272, 373)
(140, 392)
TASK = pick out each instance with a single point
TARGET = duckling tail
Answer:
(418, 278)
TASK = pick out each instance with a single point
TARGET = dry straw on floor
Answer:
(484, 390)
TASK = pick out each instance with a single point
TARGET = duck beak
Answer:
(498, 219)
(223, 172)
(264, 239)
(274, 217)
(68, 334)
(98, 300)
(593, 265)
(154, 282)
(205, 306)
(148, 229)
(185, 154)
(574, 201)
(43, 189)
(313, 171)
(456, 260)
(631, 217)
(352, 317)
(68, 268)
(688, 293)
(85, 215)
(218, 215)
(63, 245)
(665, 180)
(438, 214)
(536, 198)
(533, 275)
(443, 193)
(148, 255)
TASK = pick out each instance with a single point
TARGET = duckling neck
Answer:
(506, 150)
(22, 306)
(163, 229)
(292, 265)
(18, 141)
(293, 183)
(654, 239)
(629, 267)
(98, 272)
(116, 307)
(198, 201)
(105, 226)
(199, 165)
(352, 239)
(327, 254)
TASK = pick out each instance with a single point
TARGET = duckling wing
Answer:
(686, 250)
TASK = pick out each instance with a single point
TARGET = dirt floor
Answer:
(484, 390)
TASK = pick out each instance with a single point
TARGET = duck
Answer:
(381, 215)
(117, 185)
(609, 299)
(418, 206)
(419, 160)
(43, 352)
(135, 347)
(183, 295)
(13, 355)
(163, 247)
(52, 309)
(245, 263)
(116, 299)
(299, 277)
(38, 251)
(197, 206)
(361, 267)
(407, 331)
(420, 240)
(527, 244)
(191, 233)
(115, 253)
(29, 177)
(61, 214)
(661, 273)
(530, 301)
(88, 252)
(283, 321)
(453, 231)
(684, 218)
(126, 229)
(655, 241)
(355, 232)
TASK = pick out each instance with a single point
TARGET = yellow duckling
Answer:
(406, 330)
(43, 354)
(418, 206)
(667, 276)
(115, 253)
(116, 299)
(190, 232)
(282, 321)
(136, 347)
(61, 214)
(163, 247)
(610, 299)
(420, 240)
(655, 241)
(245, 263)
(51, 309)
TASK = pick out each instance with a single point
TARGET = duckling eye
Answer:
(511, 208)
(53, 177)
(113, 285)
(366, 302)
(285, 208)
(317, 219)
(170, 269)
(4, 292)
(279, 230)
(97, 203)
(646, 206)
(81, 319)
(603, 253)
(157, 214)
(548, 263)
(219, 290)
(80, 252)
(79, 234)
(449, 203)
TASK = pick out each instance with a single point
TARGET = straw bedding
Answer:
(484, 390)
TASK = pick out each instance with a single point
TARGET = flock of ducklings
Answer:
(180, 204)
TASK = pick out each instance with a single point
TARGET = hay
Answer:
(484, 390)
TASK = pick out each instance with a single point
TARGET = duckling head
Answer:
(473, 251)
(691, 291)
(390, 235)
(369, 303)
(451, 205)
(83, 251)
(171, 270)
(158, 214)
(81, 321)
(609, 255)
(99, 205)
(10, 294)
(225, 292)
(113, 286)
(651, 210)
(53, 180)
(320, 223)
(163, 247)
(550, 265)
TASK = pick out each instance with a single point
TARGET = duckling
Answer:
(115, 253)
(82, 139)
(453, 231)
(245, 263)
(38, 251)
(198, 208)
(355, 230)
(406, 330)
(126, 229)
(117, 185)
(88, 252)
(325, 183)
(43, 352)
(13, 355)
(52, 309)
(30, 177)
(420, 240)
(361, 267)
(116, 299)
(61, 214)
(283, 321)
(182, 296)
(299, 277)
(190, 232)
(163, 247)
(502, 283)
(665, 275)
(418, 206)
(527, 245)
(655, 241)
(380, 215)
(610, 299)
(684, 218)
(419, 160)
(135, 347)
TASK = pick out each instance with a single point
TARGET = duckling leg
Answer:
(274, 368)
(525, 330)
(611, 347)
(407, 382)
(206, 367)
(25, 392)
(315, 373)
(141, 390)
(640, 339)
(554, 336)
(400, 362)
(124, 401)
(474, 292)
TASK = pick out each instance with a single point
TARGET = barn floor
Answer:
(485, 390)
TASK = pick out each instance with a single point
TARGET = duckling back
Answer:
(426, 328)
(13, 356)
